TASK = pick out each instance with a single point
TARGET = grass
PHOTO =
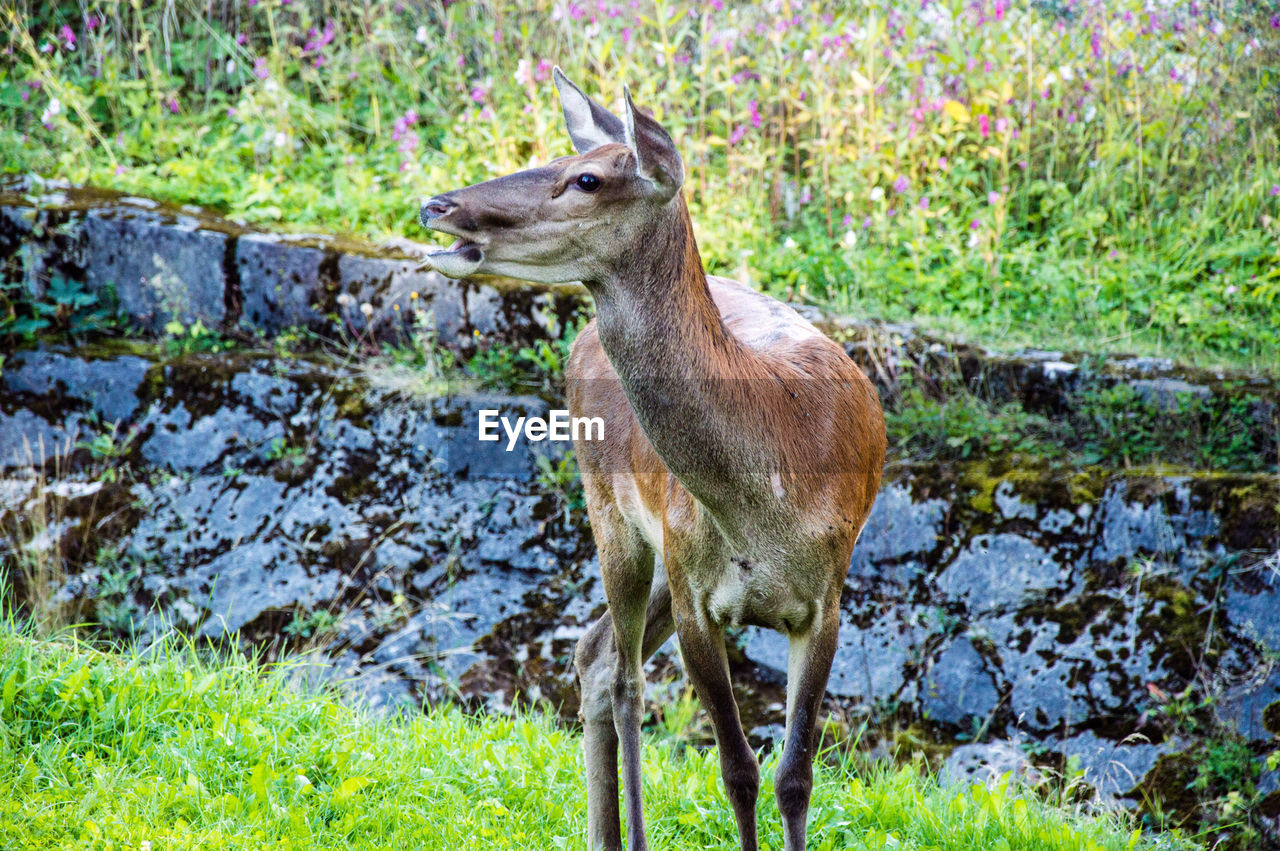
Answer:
(169, 747)
(1101, 175)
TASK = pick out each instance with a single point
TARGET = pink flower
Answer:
(242, 39)
(901, 184)
(738, 132)
(1275, 190)
(119, 170)
(173, 105)
(974, 225)
(231, 112)
(68, 37)
(942, 162)
(1001, 125)
(91, 22)
(984, 125)
(755, 114)
(1231, 290)
(260, 69)
(993, 197)
(847, 220)
(924, 202)
(542, 71)
(478, 93)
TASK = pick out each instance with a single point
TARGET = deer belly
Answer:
(750, 594)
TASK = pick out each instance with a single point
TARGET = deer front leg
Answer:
(702, 648)
(808, 667)
(597, 664)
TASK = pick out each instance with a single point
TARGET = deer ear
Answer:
(657, 159)
(590, 125)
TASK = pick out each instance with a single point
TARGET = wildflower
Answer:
(231, 66)
(91, 22)
(524, 74)
(1002, 124)
(1275, 190)
(542, 71)
(866, 223)
(68, 37)
(478, 93)
(850, 239)
(847, 220)
(173, 105)
(260, 69)
(942, 163)
(993, 197)
(790, 244)
(119, 170)
(877, 193)
(738, 132)
(53, 109)
(280, 140)
(231, 112)
(421, 35)
(974, 225)
(924, 202)
(242, 39)
(755, 114)
(901, 184)
(346, 300)
(366, 309)
(984, 125)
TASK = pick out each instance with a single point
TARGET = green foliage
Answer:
(1122, 425)
(63, 308)
(1102, 174)
(100, 751)
(560, 477)
(182, 339)
(311, 624)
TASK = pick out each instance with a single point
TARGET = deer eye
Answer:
(588, 182)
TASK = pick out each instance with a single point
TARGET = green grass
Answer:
(99, 750)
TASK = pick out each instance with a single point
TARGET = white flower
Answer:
(421, 35)
(281, 140)
(789, 244)
(270, 86)
(877, 193)
(231, 66)
(850, 238)
(524, 74)
(54, 108)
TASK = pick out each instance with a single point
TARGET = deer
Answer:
(741, 456)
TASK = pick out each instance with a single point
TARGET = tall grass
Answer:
(173, 750)
(1086, 171)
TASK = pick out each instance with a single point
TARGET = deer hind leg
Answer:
(597, 663)
(808, 667)
(703, 651)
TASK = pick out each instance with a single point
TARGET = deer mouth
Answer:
(458, 260)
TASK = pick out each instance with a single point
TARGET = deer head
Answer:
(577, 218)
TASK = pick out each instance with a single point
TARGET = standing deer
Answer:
(740, 443)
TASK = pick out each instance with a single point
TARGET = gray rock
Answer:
(161, 268)
(280, 282)
(998, 571)
(110, 386)
(959, 687)
(1114, 769)
(988, 763)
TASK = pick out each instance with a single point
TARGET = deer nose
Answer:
(435, 208)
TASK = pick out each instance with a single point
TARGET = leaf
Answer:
(958, 111)
(349, 787)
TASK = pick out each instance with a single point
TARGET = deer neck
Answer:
(663, 335)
